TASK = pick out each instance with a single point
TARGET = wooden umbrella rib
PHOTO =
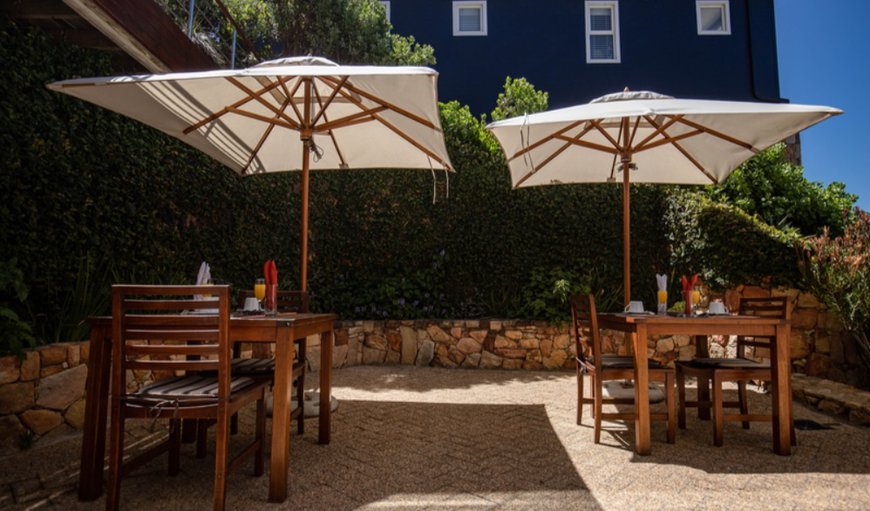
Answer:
(262, 101)
(226, 109)
(266, 134)
(719, 134)
(396, 130)
(325, 105)
(367, 115)
(657, 132)
(590, 145)
(322, 112)
(675, 138)
(543, 164)
(548, 138)
(685, 153)
(291, 94)
(332, 81)
(597, 124)
(252, 115)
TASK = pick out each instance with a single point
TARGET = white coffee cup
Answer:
(634, 307)
(717, 308)
(252, 304)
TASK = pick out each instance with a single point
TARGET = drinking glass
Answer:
(662, 301)
(260, 291)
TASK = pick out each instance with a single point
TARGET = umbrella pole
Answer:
(626, 238)
(306, 135)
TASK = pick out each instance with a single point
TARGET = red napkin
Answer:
(689, 284)
(270, 272)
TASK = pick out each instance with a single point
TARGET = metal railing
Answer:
(210, 25)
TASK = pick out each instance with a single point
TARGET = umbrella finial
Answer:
(625, 89)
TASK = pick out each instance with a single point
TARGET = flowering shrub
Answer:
(837, 270)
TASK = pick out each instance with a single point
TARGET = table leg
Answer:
(781, 391)
(96, 408)
(281, 415)
(702, 350)
(641, 391)
(326, 342)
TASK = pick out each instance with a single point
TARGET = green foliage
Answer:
(775, 190)
(346, 31)
(837, 271)
(726, 245)
(15, 333)
(519, 97)
(548, 291)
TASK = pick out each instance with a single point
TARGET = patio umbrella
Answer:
(298, 113)
(653, 137)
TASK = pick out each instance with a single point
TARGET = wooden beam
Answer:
(682, 151)
(259, 98)
(371, 97)
(322, 112)
(548, 138)
(718, 134)
(216, 115)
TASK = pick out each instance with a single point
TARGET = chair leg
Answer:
(201, 438)
(261, 435)
(596, 386)
(188, 431)
(672, 412)
(221, 462)
(234, 424)
(116, 458)
(744, 403)
(681, 389)
(718, 422)
(579, 395)
(174, 447)
(300, 402)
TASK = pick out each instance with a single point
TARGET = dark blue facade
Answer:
(545, 42)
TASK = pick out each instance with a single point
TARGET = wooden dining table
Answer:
(282, 330)
(639, 327)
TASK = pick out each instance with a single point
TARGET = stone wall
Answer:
(43, 394)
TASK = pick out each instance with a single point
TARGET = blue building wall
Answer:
(544, 41)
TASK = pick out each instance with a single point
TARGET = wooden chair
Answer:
(740, 369)
(149, 332)
(263, 368)
(610, 367)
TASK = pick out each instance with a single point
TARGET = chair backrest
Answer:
(163, 329)
(772, 307)
(288, 301)
(584, 316)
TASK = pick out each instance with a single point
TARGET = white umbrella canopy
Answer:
(288, 114)
(659, 138)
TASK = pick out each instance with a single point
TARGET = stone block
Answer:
(502, 342)
(456, 356)
(530, 344)
(52, 355)
(534, 355)
(425, 354)
(556, 359)
(512, 363)
(818, 365)
(30, 366)
(478, 335)
(393, 357)
(47, 371)
(59, 391)
(409, 345)
(804, 319)
(394, 339)
(516, 335)
(832, 406)
(16, 397)
(562, 341)
(376, 341)
(665, 345)
(456, 332)
(373, 355)
(490, 360)
(823, 343)
(495, 326)
(533, 365)
(798, 345)
(368, 326)
(472, 360)
(73, 354)
(512, 353)
(11, 432)
(546, 347)
(339, 356)
(312, 357)
(437, 334)
(41, 421)
(10, 369)
(468, 345)
(808, 300)
(341, 337)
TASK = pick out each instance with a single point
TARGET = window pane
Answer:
(712, 19)
(600, 18)
(601, 47)
(469, 19)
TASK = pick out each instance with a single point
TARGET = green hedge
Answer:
(92, 198)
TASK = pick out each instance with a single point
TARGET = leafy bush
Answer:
(15, 333)
(548, 291)
(837, 271)
(775, 190)
(519, 97)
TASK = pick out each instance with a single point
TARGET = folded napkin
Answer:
(270, 272)
(202, 278)
(662, 283)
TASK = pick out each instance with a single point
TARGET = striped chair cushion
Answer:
(729, 363)
(188, 388)
(622, 362)
(257, 366)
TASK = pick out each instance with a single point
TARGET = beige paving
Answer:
(441, 439)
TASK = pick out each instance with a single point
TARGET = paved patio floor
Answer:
(407, 438)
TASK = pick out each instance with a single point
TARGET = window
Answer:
(602, 32)
(387, 9)
(713, 17)
(469, 18)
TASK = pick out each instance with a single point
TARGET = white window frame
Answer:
(725, 5)
(386, 5)
(613, 5)
(469, 4)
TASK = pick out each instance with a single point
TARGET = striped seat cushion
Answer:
(187, 389)
(729, 363)
(621, 362)
(258, 366)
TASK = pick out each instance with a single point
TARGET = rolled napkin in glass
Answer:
(662, 295)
